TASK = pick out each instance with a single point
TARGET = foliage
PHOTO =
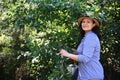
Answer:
(33, 31)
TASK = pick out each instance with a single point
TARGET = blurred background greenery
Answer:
(33, 31)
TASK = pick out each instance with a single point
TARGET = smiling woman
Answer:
(87, 24)
(88, 51)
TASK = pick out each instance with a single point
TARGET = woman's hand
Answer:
(69, 55)
(64, 52)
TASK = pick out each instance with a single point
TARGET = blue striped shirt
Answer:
(89, 56)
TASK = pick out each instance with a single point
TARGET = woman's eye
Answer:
(88, 21)
(83, 21)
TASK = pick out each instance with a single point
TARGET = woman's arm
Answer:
(69, 55)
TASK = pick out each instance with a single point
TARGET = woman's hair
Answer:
(95, 29)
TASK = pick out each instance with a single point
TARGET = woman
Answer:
(88, 51)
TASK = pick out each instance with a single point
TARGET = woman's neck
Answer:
(87, 32)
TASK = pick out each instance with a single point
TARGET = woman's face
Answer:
(87, 24)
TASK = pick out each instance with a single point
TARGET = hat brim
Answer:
(95, 20)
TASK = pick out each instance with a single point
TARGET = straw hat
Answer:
(94, 19)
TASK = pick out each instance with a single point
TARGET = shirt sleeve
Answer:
(88, 48)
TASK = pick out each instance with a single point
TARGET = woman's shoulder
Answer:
(91, 36)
